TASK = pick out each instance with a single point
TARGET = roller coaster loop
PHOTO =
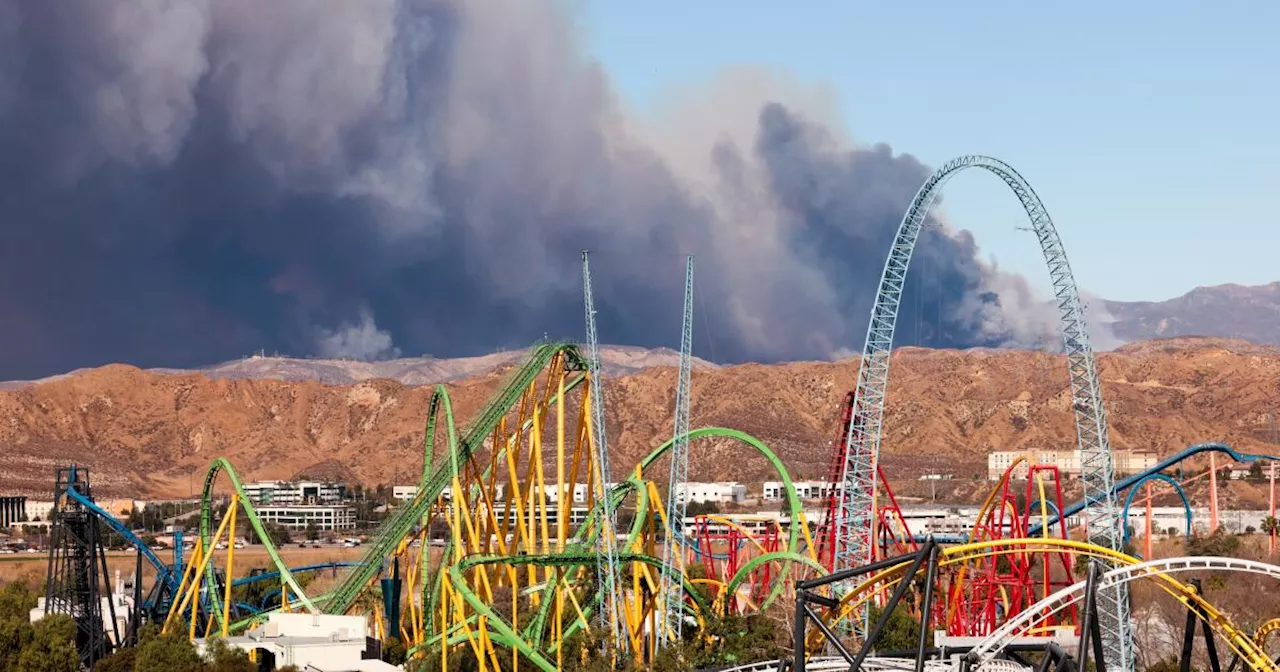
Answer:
(1137, 485)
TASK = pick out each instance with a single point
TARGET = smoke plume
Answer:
(186, 181)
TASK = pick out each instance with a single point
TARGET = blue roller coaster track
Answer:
(168, 576)
(1138, 479)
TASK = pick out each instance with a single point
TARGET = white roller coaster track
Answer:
(856, 511)
(877, 664)
(984, 655)
(1239, 641)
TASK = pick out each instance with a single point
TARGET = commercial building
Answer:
(721, 492)
(774, 490)
(286, 493)
(12, 510)
(322, 642)
(39, 512)
(324, 517)
(1066, 461)
(552, 494)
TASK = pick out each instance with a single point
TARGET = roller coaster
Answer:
(519, 580)
(516, 579)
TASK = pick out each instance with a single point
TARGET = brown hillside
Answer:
(152, 435)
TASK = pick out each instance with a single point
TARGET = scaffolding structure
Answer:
(607, 567)
(672, 592)
(856, 521)
(77, 554)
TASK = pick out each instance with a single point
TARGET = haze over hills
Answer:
(1227, 311)
(152, 434)
(1231, 311)
(616, 360)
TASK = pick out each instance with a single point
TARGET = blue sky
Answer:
(1149, 129)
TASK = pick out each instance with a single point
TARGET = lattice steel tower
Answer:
(76, 555)
(673, 591)
(856, 520)
(607, 567)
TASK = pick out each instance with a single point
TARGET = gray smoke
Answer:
(362, 340)
(185, 181)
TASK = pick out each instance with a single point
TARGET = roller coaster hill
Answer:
(525, 580)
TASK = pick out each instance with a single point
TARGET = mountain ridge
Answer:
(1251, 313)
(153, 434)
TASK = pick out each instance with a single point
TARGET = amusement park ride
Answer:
(520, 578)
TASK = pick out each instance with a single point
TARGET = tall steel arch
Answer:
(857, 501)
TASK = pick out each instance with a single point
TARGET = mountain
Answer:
(1230, 311)
(616, 360)
(152, 434)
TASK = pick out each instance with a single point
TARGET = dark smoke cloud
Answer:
(184, 182)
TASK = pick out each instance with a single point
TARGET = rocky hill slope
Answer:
(151, 434)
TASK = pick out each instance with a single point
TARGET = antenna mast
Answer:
(673, 551)
(607, 568)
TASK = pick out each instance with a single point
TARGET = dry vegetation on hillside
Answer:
(148, 433)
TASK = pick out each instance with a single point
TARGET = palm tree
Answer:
(1271, 525)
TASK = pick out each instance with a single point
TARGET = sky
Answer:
(184, 184)
(1149, 129)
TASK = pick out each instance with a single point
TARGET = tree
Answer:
(701, 508)
(279, 534)
(1249, 529)
(1255, 471)
(313, 532)
(52, 647)
(1218, 543)
(165, 653)
(723, 641)
(901, 632)
(222, 657)
(394, 651)
(1271, 525)
(16, 601)
(1170, 664)
(120, 660)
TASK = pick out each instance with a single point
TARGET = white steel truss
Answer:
(855, 519)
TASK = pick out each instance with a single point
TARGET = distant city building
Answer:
(285, 493)
(1066, 461)
(12, 510)
(580, 495)
(1238, 472)
(774, 490)
(295, 505)
(297, 517)
(39, 512)
(722, 492)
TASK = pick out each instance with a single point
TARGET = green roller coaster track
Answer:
(439, 470)
(408, 515)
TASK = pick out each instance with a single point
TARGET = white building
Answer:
(772, 491)
(405, 493)
(1066, 461)
(39, 512)
(721, 492)
(285, 493)
(331, 517)
(1166, 518)
(533, 512)
(1238, 472)
(322, 642)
